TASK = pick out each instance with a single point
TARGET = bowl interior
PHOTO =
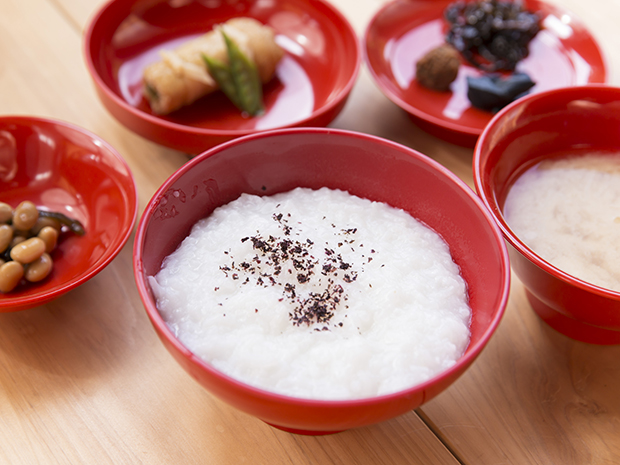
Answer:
(562, 54)
(566, 121)
(317, 72)
(63, 168)
(365, 166)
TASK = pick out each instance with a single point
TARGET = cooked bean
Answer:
(29, 250)
(25, 215)
(17, 240)
(39, 269)
(10, 275)
(6, 212)
(50, 236)
(44, 221)
(6, 236)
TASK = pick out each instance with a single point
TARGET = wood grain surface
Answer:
(84, 379)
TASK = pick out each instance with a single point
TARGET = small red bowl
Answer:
(313, 80)
(524, 133)
(63, 168)
(366, 166)
(563, 54)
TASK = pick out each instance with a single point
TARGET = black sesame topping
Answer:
(273, 254)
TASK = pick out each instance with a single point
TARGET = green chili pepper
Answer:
(221, 73)
(151, 93)
(73, 225)
(246, 78)
(239, 80)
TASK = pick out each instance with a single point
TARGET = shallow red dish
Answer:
(367, 166)
(569, 120)
(562, 54)
(313, 81)
(66, 169)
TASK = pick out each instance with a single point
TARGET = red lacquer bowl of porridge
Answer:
(547, 167)
(382, 176)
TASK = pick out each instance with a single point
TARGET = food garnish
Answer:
(74, 225)
(238, 79)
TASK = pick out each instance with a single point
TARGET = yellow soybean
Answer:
(6, 212)
(6, 236)
(25, 215)
(39, 269)
(29, 250)
(50, 236)
(10, 275)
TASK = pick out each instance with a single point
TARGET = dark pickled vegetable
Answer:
(74, 225)
(492, 92)
(492, 35)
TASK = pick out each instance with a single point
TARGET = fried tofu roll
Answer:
(181, 76)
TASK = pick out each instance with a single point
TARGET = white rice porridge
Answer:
(316, 294)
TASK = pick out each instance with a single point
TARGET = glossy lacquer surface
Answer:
(572, 121)
(63, 168)
(562, 54)
(365, 166)
(312, 82)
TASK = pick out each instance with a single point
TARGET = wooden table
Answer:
(84, 380)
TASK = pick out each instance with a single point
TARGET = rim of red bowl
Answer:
(40, 298)
(154, 120)
(468, 357)
(494, 209)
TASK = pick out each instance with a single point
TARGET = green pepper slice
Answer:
(239, 79)
(221, 73)
(245, 76)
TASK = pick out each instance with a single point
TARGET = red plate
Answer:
(563, 54)
(313, 80)
(66, 169)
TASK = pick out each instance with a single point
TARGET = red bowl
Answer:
(313, 80)
(524, 133)
(563, 54)
(66, 169)
(366, 166)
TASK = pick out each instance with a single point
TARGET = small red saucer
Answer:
(312, 82)
(563, 54)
